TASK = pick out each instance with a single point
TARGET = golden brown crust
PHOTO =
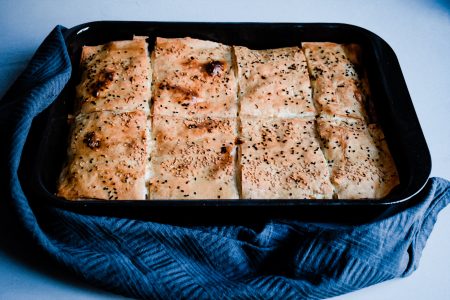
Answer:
(115, 76)
(274, 83)
(281, 159)
(106, 157)
(193, 78)
(193, 158)
(360, 162)
(191, 153)
(338, 88)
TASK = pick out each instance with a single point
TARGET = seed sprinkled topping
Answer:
(277, 123)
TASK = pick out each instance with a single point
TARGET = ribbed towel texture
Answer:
(278, 259)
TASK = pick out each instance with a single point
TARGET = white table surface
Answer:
(417, 30)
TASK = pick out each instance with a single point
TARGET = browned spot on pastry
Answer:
(91, 140)
(214, 68)
(105, 78)
(182, 95)
(238, 141)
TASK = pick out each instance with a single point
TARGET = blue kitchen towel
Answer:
(277, 259)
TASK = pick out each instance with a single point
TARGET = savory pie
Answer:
(359, 159)
(274, 83)
(107, 157)
(115, 76)
(224, 122)
(193, 78)
(338, 88)
(281, 159)
(193, 158)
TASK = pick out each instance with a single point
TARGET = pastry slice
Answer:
(107, 157)
(194, 158)
(339, 88)
(115, 76)
(274, 83)
(281, 159)
(360, 162)
(193, 78)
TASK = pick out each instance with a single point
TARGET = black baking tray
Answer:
(390, 100)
